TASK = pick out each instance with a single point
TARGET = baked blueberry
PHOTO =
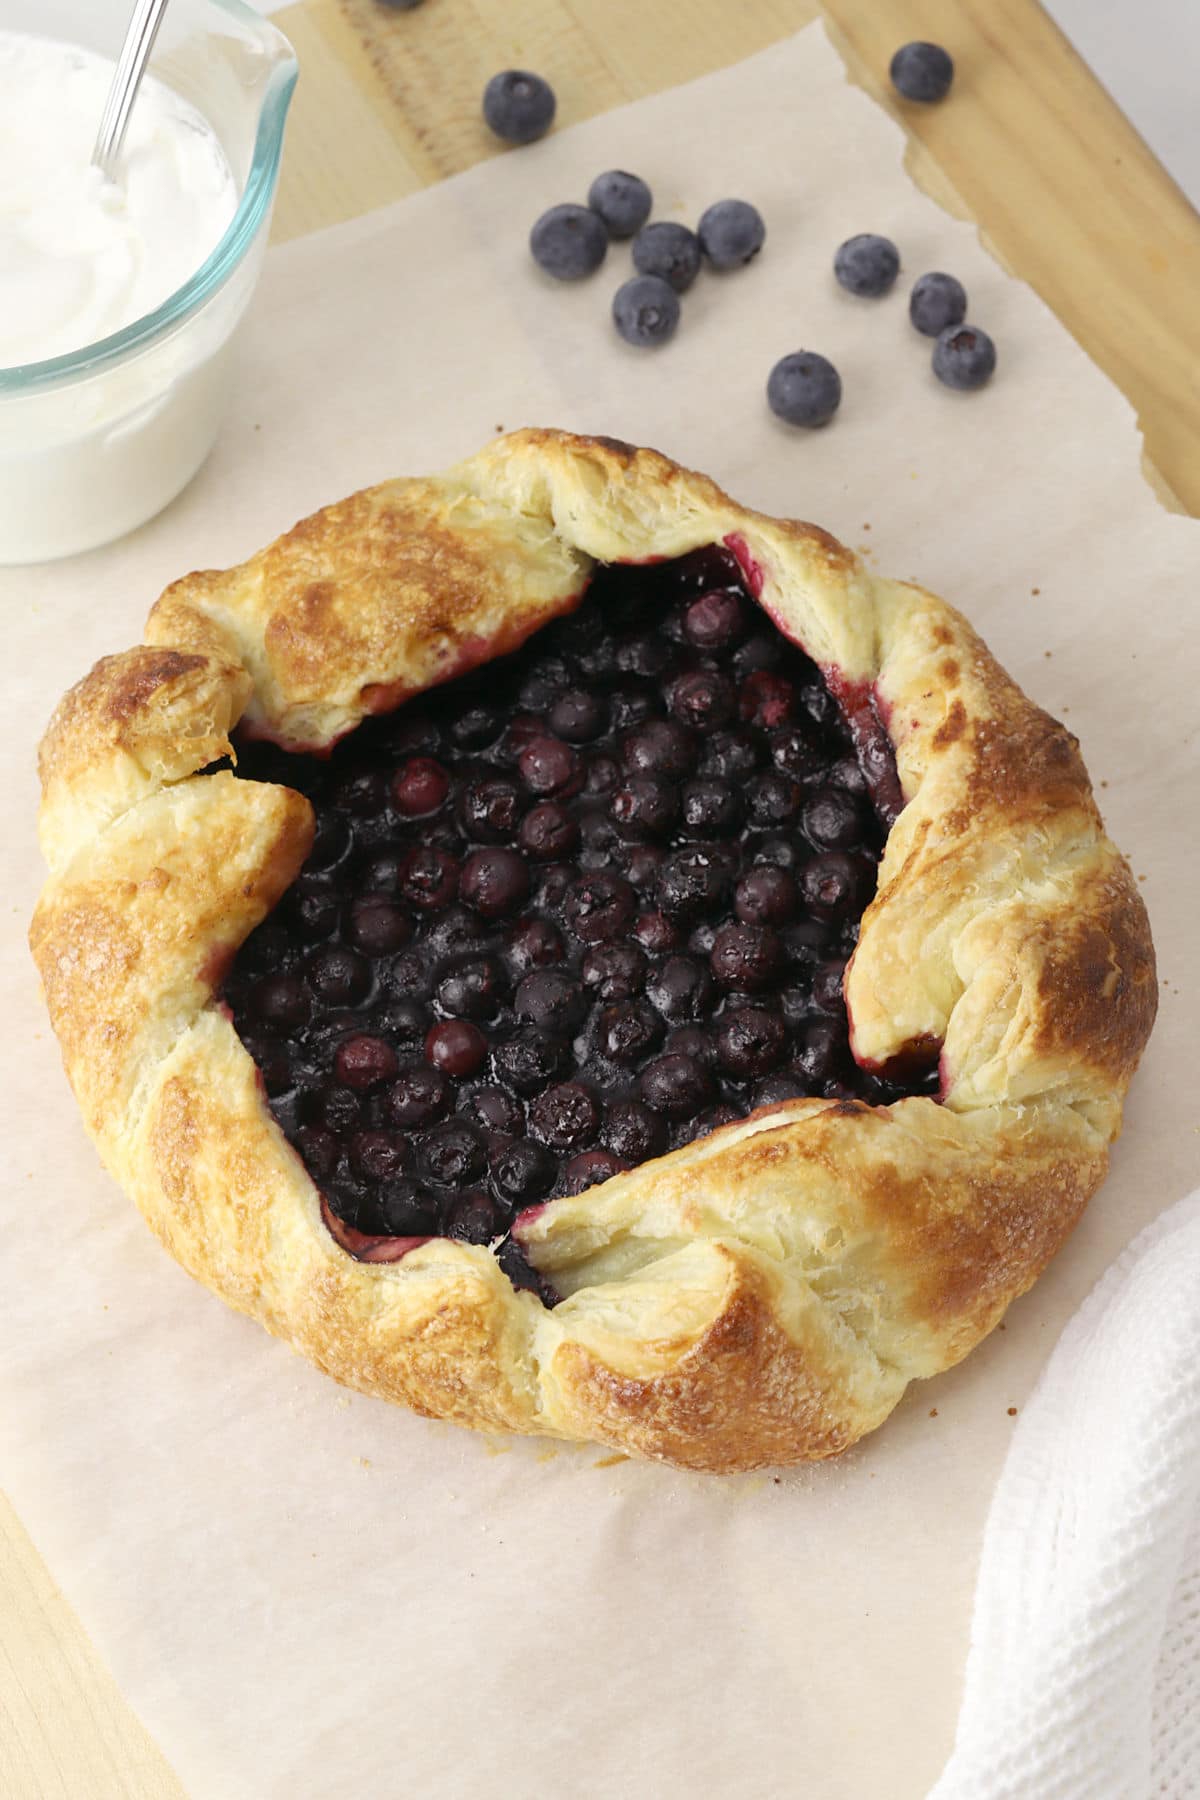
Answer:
(715, 621)
(675, 1085)
(703, 699)
(834, 885)
(490, 809)
(827, 982)
(732, 754)
(570, 913)
(553, 999)
(281, 1003)
(474, 1218)
(645, 311)
(547, 832)
(495, 881)
(495, 1108)
(822, 1052)
(831, 819)
(772, 799)
(378, 1155)
(710, 808)
(804, 388)
(645, 806)
(747, 957)
(419, 787)
(622, 200)
(936, 303)
(670, 251)
(452, 1154)
(472, 989)
(633, 1132)
(681, 988)
(588, 1169)
(569, 242)
(530, 1060)
(659, 747)
(867, 265)
(364, 1061)
(778, 1089)
(765, 896)
(964, 357)
(577, 716)
(692, 883)
(628, 1030)
(795, 750)
(320, 1150)
(330, 841)
(766, 699)
(518, 106)
(429, 878)
(731, 232)
(337, 975)
(456, 1047)
(750, 1041)
(598, 907)
(523, 1172)
(316, 905)
(922, 71)
(378, 926)
(548, 766)
(614, 971)
(418, 1096)
(532, 944)
(566, 1117)
(362, 792)
(656, 933)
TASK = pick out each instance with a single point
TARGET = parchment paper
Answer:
(306, 1594)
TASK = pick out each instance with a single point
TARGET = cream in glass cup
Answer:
(96, 440)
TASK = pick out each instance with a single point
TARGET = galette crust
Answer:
(764, 1295)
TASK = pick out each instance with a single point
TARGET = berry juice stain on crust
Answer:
(568, 913)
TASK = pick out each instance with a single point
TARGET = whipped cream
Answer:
(81, 257)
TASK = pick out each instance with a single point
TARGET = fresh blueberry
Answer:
(936, 303)
(964, 357)
(569, 242)
(731, 232)
(646, 311)
(622, 200)
(922, 72)
(518, 106)
(867, 265)
(670, 251)
(804, 389)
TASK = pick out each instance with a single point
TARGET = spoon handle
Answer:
(131, 66)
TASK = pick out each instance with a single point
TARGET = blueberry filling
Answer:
(567, 914)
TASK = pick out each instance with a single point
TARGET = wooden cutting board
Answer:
(1030, 147)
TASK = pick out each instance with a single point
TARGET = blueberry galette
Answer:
(573, 955)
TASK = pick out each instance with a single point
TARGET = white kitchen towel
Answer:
(1083, 1677)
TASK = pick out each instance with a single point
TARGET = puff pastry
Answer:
(761, 1295)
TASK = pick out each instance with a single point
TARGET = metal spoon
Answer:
(127, 76)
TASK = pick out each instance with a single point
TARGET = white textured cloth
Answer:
(1083, 1678)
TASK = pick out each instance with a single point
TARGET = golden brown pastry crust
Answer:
(762, 1296)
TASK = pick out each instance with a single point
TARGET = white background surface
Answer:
(1147, 54)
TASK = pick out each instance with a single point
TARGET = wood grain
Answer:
(66, 1733)
(1030, 147)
